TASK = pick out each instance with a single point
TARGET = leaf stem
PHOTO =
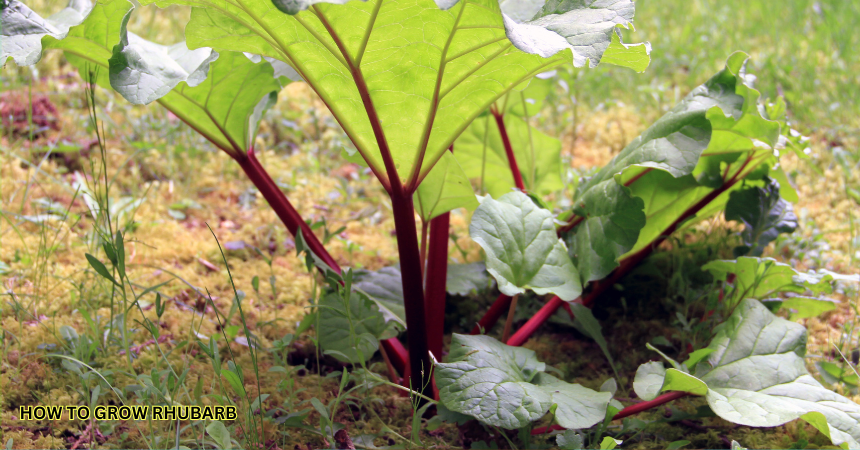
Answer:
(423, 252)
(396, 353)
(502, 303)
(282, 206)
(509, 150)
(435, 290)
(512, 311)
(413, 290)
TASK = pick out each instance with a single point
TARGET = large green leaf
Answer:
(22, 30)
(523, 250)
(222, 96)
(482, 155)
(506, 387)
(368, 326)
(577, 407)
(385, 287)
(463, 279)
(610, 228)
(419, 72)
(445, 188)
(763, 278)
(764, 214)
(756, 376)
(682, 167)
(224, 107)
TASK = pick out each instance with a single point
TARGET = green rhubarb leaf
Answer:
(805, 307)
(482, 155)
(445, 188)
(529, 101)
(384, 287)
(368, 327)
(764, 278)
(610, 228)
(764, 214)
(570, 440)
(756, 376)
(833, 373)
(684, 165)
(226, 107)
(677, 380)
(222, 96)
(523, 251)
(697, 356)
(634, 56)
(22, 30)
(506, 387)
(407, 76)
(648, 381)
(492, 382)
(464, 279)
(577, 407)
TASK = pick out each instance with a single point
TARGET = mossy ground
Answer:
(157, 160)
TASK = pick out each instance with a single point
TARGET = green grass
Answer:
(805, 50)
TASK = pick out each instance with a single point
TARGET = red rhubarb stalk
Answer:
(502, 304)
(413, 290)
(437, 274)
(396, 353)
(509, 150)
(282, 207)
(293, 221)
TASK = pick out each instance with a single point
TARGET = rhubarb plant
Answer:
(404, 79)
(436, 98)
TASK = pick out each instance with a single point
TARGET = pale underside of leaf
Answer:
(22, 30)
(463, 279)
(588, 29)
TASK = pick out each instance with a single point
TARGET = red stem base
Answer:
(436, 276)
